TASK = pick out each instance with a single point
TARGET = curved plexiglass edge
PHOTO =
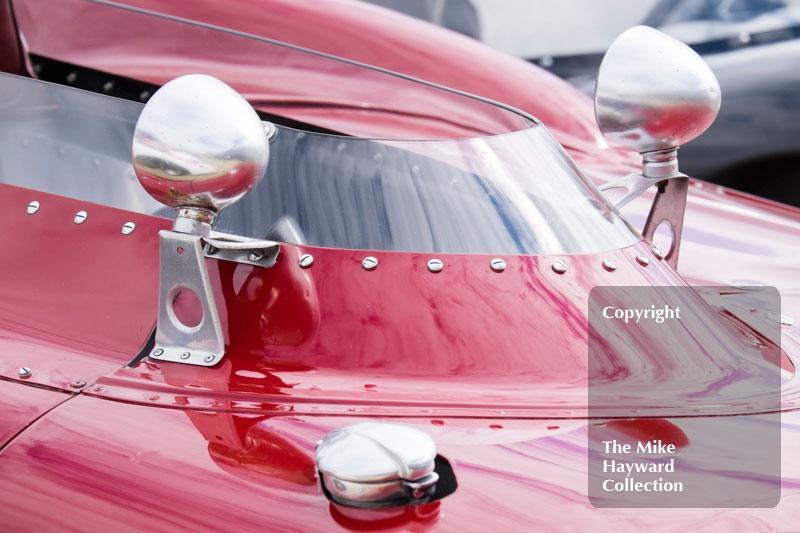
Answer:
(332, 93)
(516, 193)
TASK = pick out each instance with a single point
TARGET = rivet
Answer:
(609, 265)
(435, 265)
(786, 320)
(144, 95)
(559, 267)
(209, 358)
(369, 263)
(32, 207)
(657, 251)
(25, 372)
(71, 77)
(643, 260)
(498, 265)
(306, 260)
(186, 355)
(256, 256)
(108, 86)
(80, 217)
(78, 384)
(128, 227)
(158, 352)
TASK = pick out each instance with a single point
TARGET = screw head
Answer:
(158, 352)
(306, 260)
(657, 251)
(642, 260)
(32, 207)
(108, 86)
(256, 256)
(609, 265)
(128, 227)
(559, 267)
(80, 217)
(25, 372)
(71, 77)
(498, 265)
(78, 384)
(435, 265)
(209, 358)
(186, 355)
(369, 263)
(785, 320)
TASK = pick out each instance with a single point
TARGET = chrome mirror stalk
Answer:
(199, 147)
(654, 94)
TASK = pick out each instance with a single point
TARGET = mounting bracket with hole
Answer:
(183, 268)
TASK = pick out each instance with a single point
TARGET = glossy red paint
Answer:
(350, 29)
(22, 404)
(98, 465)
(79, 300)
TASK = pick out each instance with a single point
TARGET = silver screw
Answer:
(128, 227)
(186, 355)
(657, 251)
(435, 265)
(80, 217)
(369, 263)
(559, 267)
(609, 265)
(256, 256)
(498, 265)
(78, 384)
(24, 372)
(32, 207)
(786, 320)
(209, 358)
(643, 260)
(158, 352)
(306, 260)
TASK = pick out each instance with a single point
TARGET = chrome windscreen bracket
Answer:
(183, 269)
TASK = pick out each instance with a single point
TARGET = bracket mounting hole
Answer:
(186, 308)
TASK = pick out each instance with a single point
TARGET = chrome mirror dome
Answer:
(653, 92)
(198, 144)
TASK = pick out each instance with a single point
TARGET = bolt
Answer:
(644, 261)
(158, 352)
(186, 355)
(256, 256)
(369, 263)
(32, 207)
(559, 267)
(80, 217)
(128, 227)
(657, 251)
(209, 358)
(435, 265)
(144, 95)
(306, 260)
(609, 265)
(498, 265)
(108, 86)
(71, 77)
(78, 384)
(24, 372)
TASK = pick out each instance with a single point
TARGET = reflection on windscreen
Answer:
(511, 193)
